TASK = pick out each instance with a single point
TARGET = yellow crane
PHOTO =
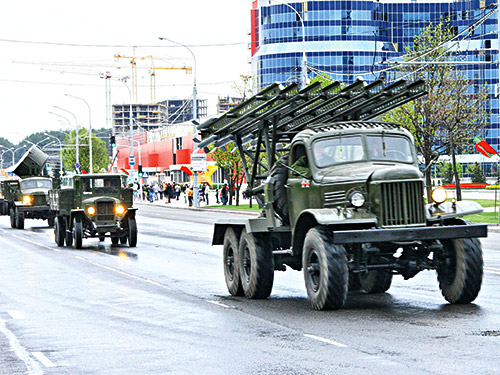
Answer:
(151, 73)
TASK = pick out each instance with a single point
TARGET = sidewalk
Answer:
(181, 204)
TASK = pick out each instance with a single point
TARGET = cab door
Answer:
(299, 182)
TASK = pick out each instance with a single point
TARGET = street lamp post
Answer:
(14, 154)
(195, 116)
(60, 150)
(91, 168)
(303, 68)
(131, 125)
(77, 163)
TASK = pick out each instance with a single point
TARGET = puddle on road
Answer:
(121, 253)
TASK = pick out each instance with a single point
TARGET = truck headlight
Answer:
(119, 209)
(90, 210)
(439, 195)
(27, 199)
(357, 199)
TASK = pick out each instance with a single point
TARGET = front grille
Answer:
(334, 198)
(39, 200)
(105, 211)
(402, 203)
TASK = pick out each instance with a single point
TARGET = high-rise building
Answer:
(349, 39)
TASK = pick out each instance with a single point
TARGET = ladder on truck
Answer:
(270, 119)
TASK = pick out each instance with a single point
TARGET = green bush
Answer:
(476, 173)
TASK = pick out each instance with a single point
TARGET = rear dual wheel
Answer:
(78, 232)
(59, 230)
(232, 263)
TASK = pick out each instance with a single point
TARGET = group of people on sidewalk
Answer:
(168, 191)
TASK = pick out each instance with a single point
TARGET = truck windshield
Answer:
(36, 184)
(101, 185)
(389, 148)
(330, 151)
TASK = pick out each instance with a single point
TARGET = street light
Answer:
(77, 159)
(195, 116)
(131, 124)
(14, 154)
(7, 149)
(91, 169)
(303, 68)
(60, 150)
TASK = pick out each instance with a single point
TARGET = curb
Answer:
(209, 209)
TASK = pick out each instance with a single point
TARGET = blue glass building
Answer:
(348, 39)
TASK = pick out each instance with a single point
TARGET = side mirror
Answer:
(434, 157)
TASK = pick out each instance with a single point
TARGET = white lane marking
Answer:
(36, 243)
(121, 272)
(21, 353)
(219, 304)
(197, 234)
(16, 314)
(495, 271)
(43, 359)
(327, 341)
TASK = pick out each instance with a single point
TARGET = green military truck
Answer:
(93, 205)
(28, 197)
(342, 197)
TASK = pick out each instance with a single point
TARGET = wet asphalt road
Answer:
(163, 308)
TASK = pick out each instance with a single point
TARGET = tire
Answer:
(354, 282)
(232, 263)
(68, 237)
(377, 281)
(19, 220)
(102, 238)
(115, 240)
(51, 221)
(59, 231)
(280, 174)
(460, 270)
(132, 232)
(78, 233)
(256, 266)
(326, 274)
(12, 218)
(123, 240)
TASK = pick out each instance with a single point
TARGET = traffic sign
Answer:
(145, 174)
(131, 160)
(77, 165)
(199, 162)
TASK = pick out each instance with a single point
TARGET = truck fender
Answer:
(220, 230)
(450, 209)
(76, 213)
(131, 212)
(328, 217)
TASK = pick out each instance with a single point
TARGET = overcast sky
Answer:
(55, 47)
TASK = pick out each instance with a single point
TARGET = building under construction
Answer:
(151, 116)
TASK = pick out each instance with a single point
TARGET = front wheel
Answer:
(59, 231)
(78, 233)
(256, 266)
(231, 263)
(19, 219)
(326, 274)
(12, 218)
(51, 221)
(132, 232)
(460, 270)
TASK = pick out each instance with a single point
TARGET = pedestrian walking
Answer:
(223, 194)
(190, 196)
(217, 194)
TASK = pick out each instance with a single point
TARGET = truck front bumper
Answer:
(410, 234)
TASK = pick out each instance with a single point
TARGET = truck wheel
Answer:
(59, 231)
(354, 282)
(115, 240)
(377, 281)
(460, 270)
(12, 218)
(256, 266)
(69, 237)
(78, 233)
(102, 238)
(231, 263)
(326, 273)
(123, 240)
(19, 220)
(280, 174)
(51, 221)
(132, 232)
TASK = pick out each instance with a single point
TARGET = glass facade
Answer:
(350, 39)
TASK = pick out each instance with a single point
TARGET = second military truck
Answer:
(93, 205)
(342, 197)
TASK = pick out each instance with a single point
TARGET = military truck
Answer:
(27, 198)
(93, 205)
(342, 197)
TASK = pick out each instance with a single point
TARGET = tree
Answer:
(451, 113)
(476, 172)
(100, 158)
(231, 162)
(446, 171)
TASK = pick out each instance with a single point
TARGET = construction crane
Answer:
(151, 73)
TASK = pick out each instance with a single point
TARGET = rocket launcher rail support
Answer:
(275, 115)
